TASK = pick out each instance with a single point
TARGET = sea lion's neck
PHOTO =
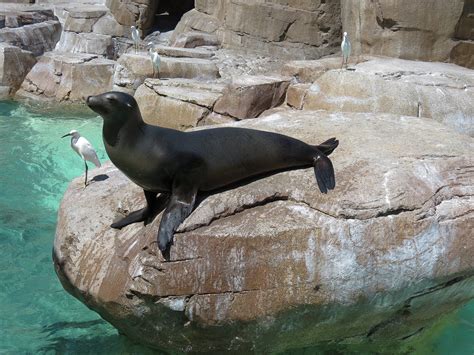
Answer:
(112, 127)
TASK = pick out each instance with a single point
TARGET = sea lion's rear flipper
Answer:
(180, 206)
(328, 146)
(152, 207)
(324, 172)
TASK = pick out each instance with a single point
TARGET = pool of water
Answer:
(36, 314)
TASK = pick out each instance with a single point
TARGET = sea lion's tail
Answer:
(323, 168)
(328, 146)
(324, 172)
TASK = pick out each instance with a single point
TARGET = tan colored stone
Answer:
(107, 25)
(172, 67)
(136, 67)
(195, 39)
(420, 30)
(15, 63)
(295, 95)
(36, 38)
(139, 13)
(183, 52)
(285, 29)
(68, 77)
(307, 71)
(275, 264)
(463, 54)
(177, 103)
(92, 43)
(79, 24)
(443, 92)
(248, 96)
(166, 111)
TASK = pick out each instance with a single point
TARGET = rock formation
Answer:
(277, 27)
(271, 265)
(404, 29)
(444, 92)
(274, 264)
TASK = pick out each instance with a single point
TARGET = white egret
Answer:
(346, 49)
(135, 37)
(155, 58)
(84, 149)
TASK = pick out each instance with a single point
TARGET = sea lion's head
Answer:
(114, 105)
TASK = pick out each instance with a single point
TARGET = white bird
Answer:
(135, 37)
(155, 58)
(84, 149)
(346, 49)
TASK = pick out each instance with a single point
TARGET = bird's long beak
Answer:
(68, 134)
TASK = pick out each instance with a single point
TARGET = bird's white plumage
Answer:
(84, 148)
(155, 58)
(135, 37)
(345, 48)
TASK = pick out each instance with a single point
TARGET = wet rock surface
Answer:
(274, 264)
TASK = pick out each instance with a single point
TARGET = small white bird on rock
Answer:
(135, 37)
(84, 149)
(346, 49)
(155, 58)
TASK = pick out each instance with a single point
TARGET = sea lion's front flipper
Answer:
(324, 172)
(180, 206)
(141, 215)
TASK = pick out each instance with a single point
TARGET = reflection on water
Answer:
(36, 314)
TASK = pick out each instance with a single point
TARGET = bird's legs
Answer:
(87, 168)
(153, 206)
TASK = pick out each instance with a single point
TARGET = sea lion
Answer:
(181, 164)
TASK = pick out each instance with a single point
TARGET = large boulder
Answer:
(15, 63)
(36, 38)
(182, 104)
(421, 30)
(140, 13)
(134, 68)
(178, 103)
(443, 92)
(68, 77)
(274, 264)
(288, 29)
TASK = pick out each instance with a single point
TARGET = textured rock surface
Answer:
(134, 68)
(90, 43)
(463, 54)
(291, 29)
(140, 13)
(15, 63)
(274, 264)
(182, 104)
(36, 38)
(178, 103)
(248, 96)
(68, 77)
(444, 92)
(421, 30)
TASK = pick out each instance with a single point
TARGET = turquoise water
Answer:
(36, 314)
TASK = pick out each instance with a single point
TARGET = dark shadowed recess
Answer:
(168, 14)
